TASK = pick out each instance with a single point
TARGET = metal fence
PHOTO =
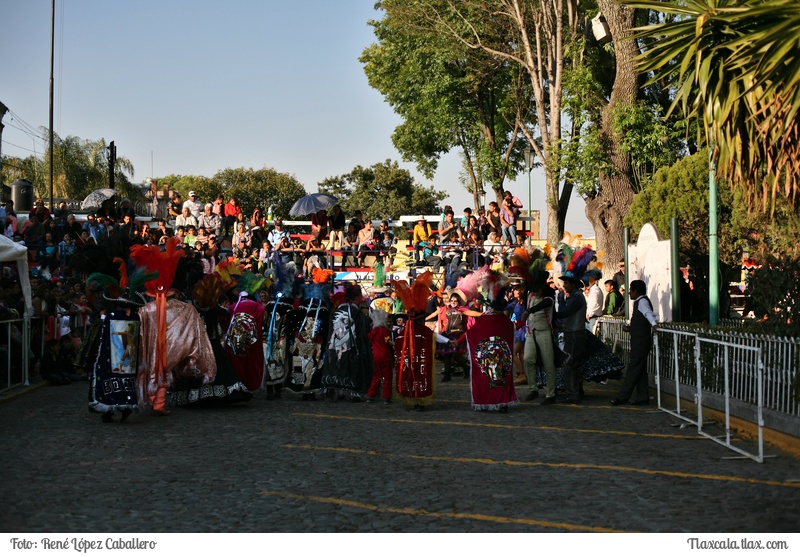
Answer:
(15, 352)
(741, 374)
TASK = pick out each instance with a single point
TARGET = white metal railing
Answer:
(15, 337)
(743, 374)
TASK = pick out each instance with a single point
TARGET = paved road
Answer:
(335, 466)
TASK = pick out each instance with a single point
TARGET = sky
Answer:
(192, 87)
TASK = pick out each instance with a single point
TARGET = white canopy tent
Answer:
(13, 252)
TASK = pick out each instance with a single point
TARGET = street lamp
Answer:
(528, 154)
(482, 193)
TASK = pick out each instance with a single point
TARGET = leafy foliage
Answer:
(80, 166)
(383, 190)
(681, 191)
(252, 188)
(735, 68)
(775, 292)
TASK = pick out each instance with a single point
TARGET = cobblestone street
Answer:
(334, 466)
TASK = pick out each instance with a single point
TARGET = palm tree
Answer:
(734, 67)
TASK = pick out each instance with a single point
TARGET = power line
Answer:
(18, 146)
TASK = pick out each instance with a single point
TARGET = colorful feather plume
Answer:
(154, 260)
(207, 291)
(123, 272)
(471, 283)
(108, 284)
(321, 275)
(249, 283)
(414, 297)
(229, 271)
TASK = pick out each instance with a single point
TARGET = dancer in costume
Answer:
(348, 356)
(226, 387)
(380, 336)
(244, 338)
(451, 324)
(173, 339)
(306, 335)
(276, 355)
(414, 345)
(112, 371)
(490, 342)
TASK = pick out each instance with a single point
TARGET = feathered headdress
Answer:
(249, 283)
(229, 271)
(494, 288)
(321, 275)
(207, 291)
(578, 264)
(163, 263)
(414, 297)
(469, 284)
(126, 290)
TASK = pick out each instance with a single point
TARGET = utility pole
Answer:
(52, 49)
(3, 110)
(112, 159)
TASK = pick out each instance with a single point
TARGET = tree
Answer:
(252, 188)
(545, 39)
(80, 166)
(449, 96)
(382, 191)
(735, 68)
(681, 191)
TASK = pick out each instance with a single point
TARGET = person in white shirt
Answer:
(594, 301)
(195, 207)
(185, 219)
(642, 325)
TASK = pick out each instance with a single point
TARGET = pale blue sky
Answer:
(192, 87)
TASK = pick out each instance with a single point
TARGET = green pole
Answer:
(626, 234)
(713, 245)
(676, 269)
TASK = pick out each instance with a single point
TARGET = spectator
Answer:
(350, 248)
(508, 222)
(41, 211)
(280, 240)
(161, 231)
(218, 207)
(126, 209)
(614, 303)
(420, 236)
(175, 208)
(186, 218)
(257, 218)
(336, 222)
(210, 220)
(619, 277)
(366, 241)
(129, 228)
(195, 207)
(319, 224)
(232, 211)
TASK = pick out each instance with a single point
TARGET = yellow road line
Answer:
(432, 514)
(533, 464)
(496, 426)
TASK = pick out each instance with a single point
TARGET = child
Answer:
(264, 255)
(382, 357)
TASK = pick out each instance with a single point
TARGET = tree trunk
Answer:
(611, 203)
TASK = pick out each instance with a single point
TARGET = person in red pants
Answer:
(382, 357)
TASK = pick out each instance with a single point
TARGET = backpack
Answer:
(241, 333)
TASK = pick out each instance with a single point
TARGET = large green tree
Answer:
(449, 97)
(381, 191)
(735, 68)
(681, 191)
(546, 41)
(252, 188)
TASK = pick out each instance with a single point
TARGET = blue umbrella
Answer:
(312, 203)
